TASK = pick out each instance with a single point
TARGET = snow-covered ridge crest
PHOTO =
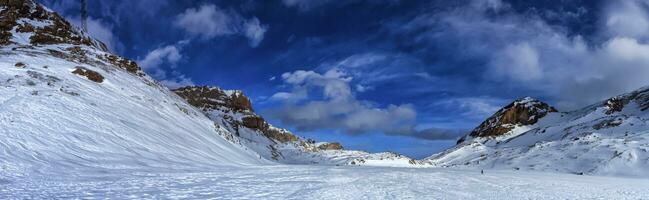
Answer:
(610, 137)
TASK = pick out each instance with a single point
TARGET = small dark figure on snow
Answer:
(482, 171)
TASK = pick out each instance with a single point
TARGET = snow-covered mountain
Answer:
(232, 110)
(610, 137)
(69, 105)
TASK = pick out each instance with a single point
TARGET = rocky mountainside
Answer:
(67, 105)
(525, 111)
(609, 137)
(232, 110)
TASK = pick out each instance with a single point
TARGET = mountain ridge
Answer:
(610, 137)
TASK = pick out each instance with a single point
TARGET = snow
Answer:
(63, 136)
(587, 141)
(326, 182)
(54, 121)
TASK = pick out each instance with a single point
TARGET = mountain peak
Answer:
(523, 111)
(25, 23)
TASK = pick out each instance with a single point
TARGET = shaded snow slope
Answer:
(609, 138)
(55, 121)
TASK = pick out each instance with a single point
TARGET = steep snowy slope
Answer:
(232, 110)
(67, 106)
(609, 137)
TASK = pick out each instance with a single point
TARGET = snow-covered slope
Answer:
(609, 137)
(67, 105)
(232, 110)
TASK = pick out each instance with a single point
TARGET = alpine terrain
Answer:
(609, 138)
(79, 122)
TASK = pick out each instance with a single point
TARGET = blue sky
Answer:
(383, 75)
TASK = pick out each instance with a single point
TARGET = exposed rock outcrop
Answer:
(523, 111)
(235, 103)
(89, 74)
(55, 31)
(617, 103)
(25, 24)
(207, 98)
(330, 146)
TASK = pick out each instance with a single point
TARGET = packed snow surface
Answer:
(327, 182)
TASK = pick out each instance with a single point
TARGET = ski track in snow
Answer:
(326, 182)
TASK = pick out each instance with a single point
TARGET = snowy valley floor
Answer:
(322, 182)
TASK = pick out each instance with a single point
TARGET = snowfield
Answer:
(326, 182)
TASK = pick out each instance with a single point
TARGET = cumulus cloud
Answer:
(518, 61)
(153, 61)
(526, 51)
(627, 18)
(210, 21)
(161, 63)
(336, 107)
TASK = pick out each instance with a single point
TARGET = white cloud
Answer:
(526, 52)
(519, 62)
(472, 107)
(337, 107)
(361, 60)
(209, 21)
(153, 61)
(254, 31)
(177, 82)
(628, 18)
(161, 64)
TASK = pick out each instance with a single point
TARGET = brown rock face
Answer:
(640, 97)
(59, 31)
(212, 98)
(254, 122)
(615, 104)
(331, 146)
(524, 111)
(91, 75)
